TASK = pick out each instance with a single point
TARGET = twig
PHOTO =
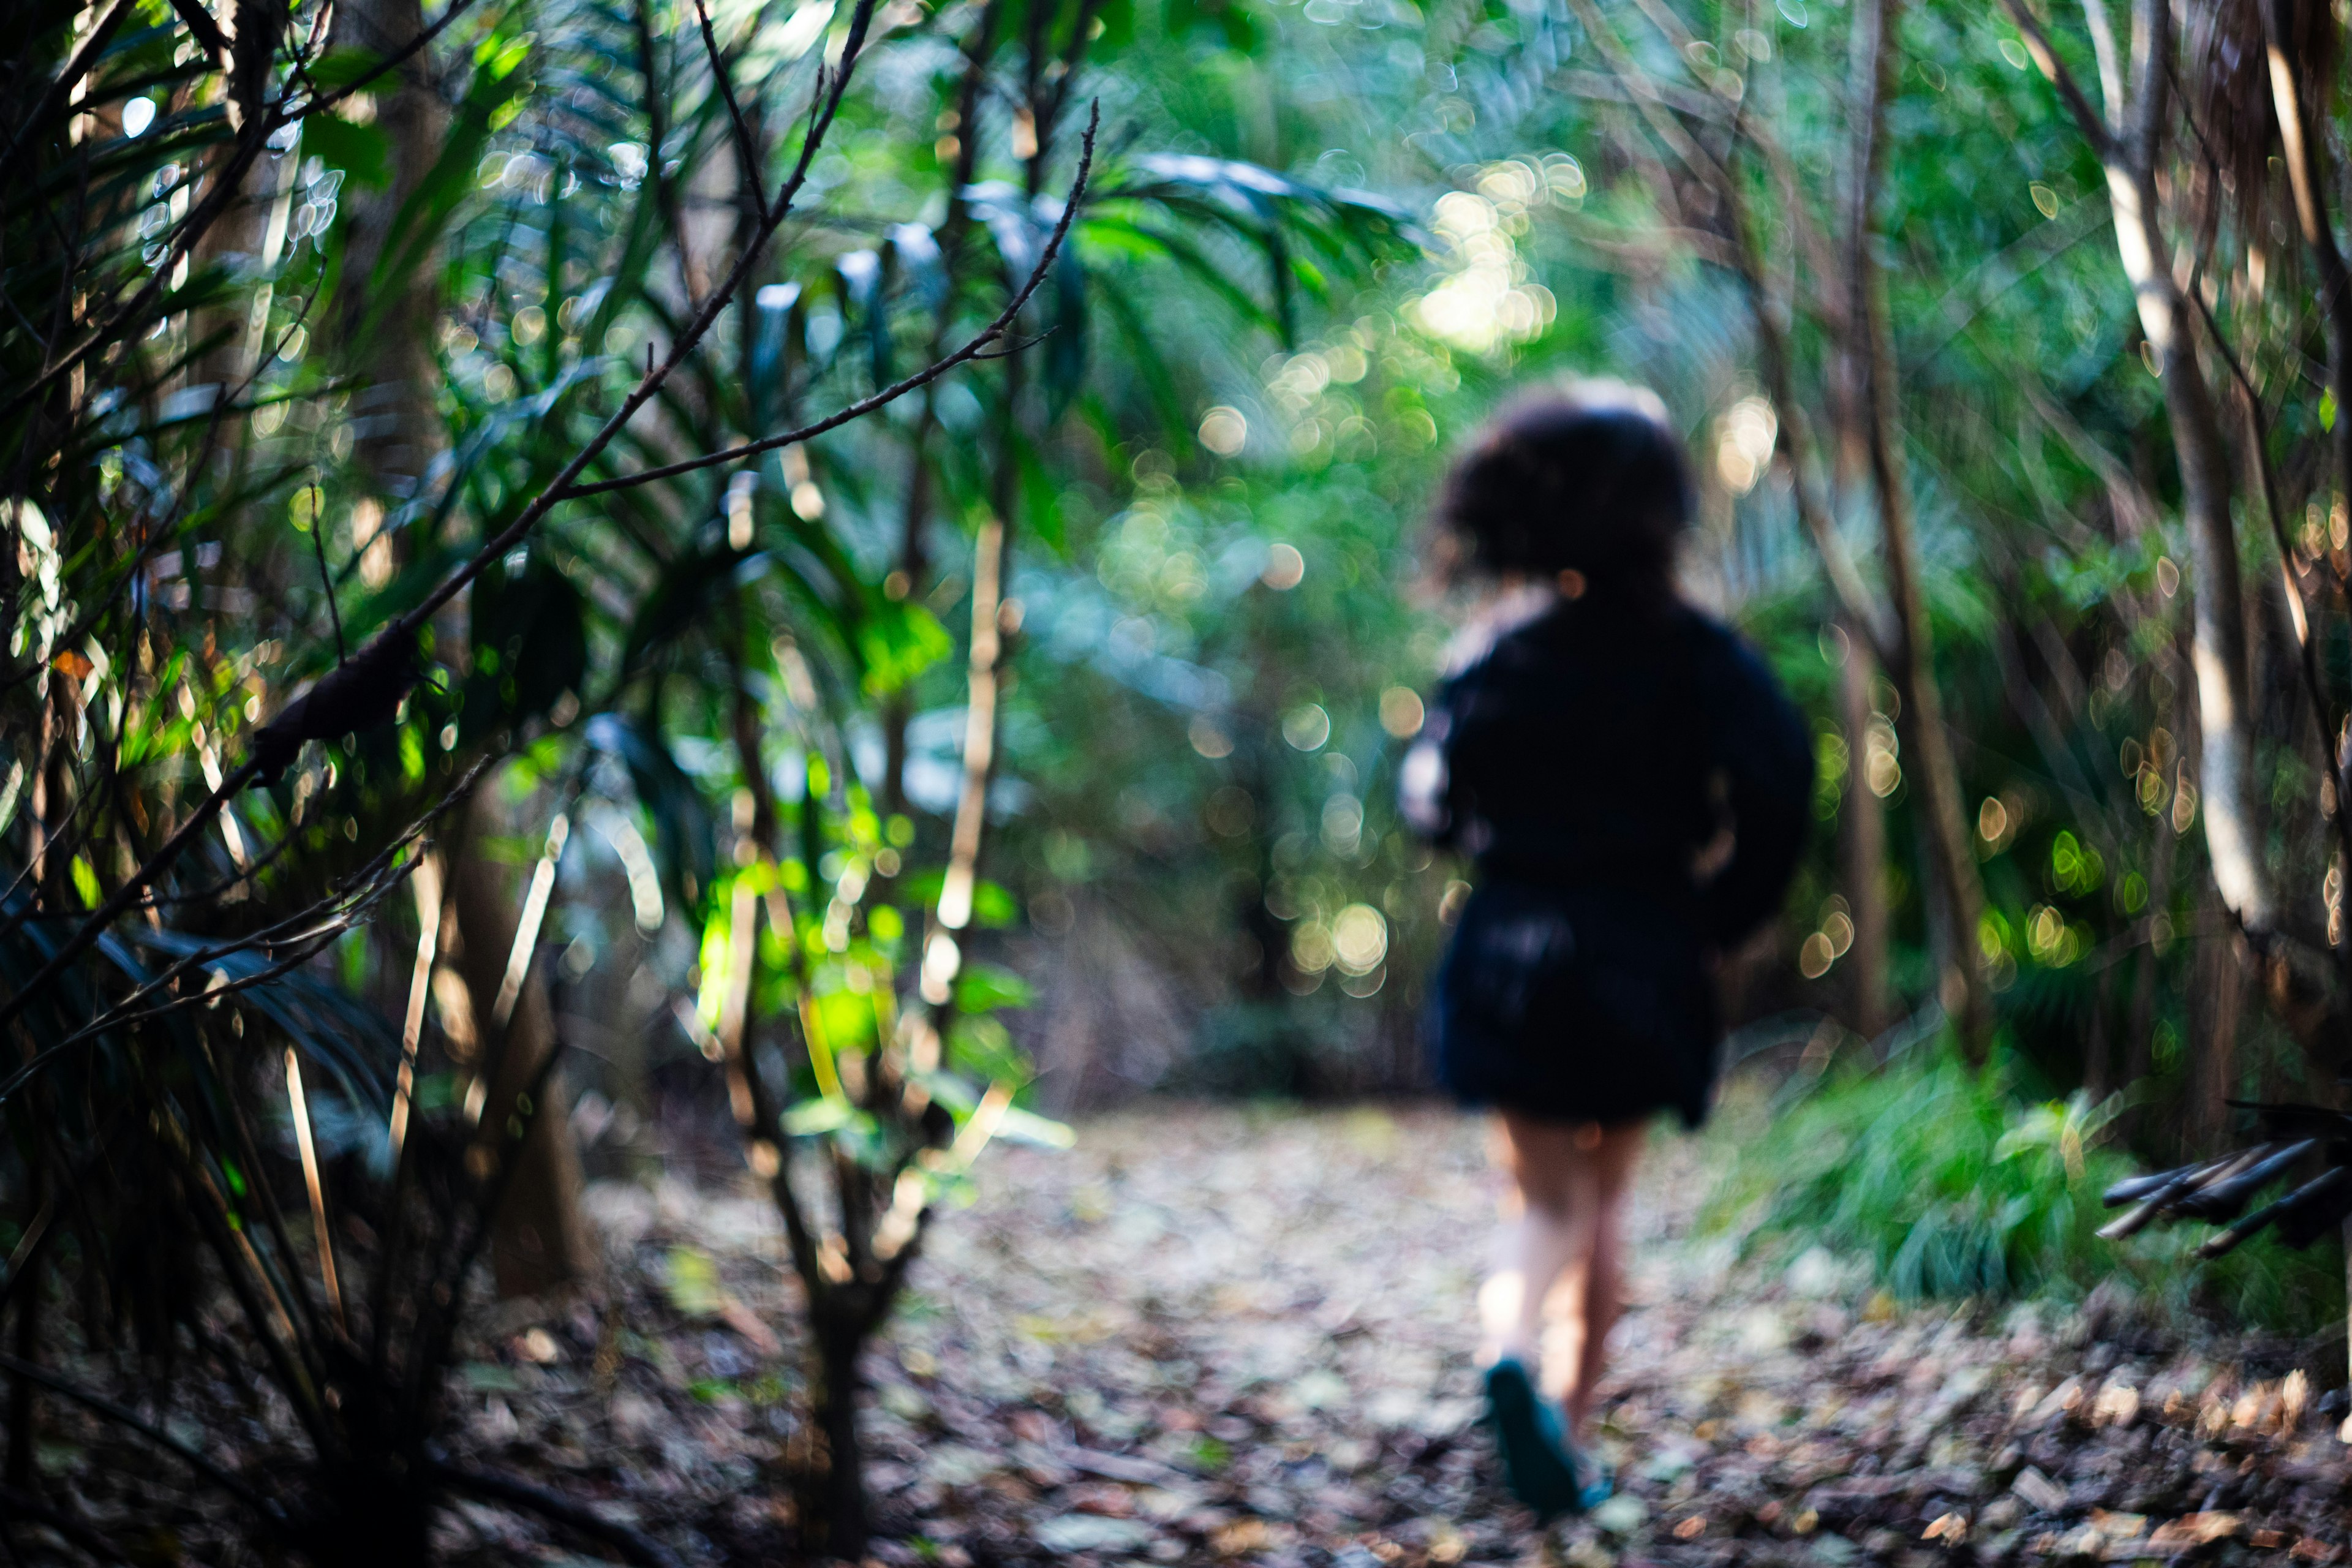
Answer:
(1962, 306)
(201, 26)
(336, 910)
(2087, 118)
(560, 489)
(746, 145)
(145, 1428)
(326, 578)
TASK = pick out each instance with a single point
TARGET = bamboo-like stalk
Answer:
(299, 1104)
(426, 886)
(941, 958)
(534, 914)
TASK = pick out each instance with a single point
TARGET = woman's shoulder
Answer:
(1504, 618)
(1719, 647)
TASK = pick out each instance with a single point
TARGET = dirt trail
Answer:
(1210, 1335)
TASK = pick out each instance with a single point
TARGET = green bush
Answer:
(1953, 1186)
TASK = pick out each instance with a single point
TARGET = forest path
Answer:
(1245, 1335)
(1242, 1336)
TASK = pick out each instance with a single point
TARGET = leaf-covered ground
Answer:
(1224, 1335)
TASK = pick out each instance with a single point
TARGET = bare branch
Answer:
(390, 62)
(201, 26)
(746, 144)
(1649, 98)
(2087, 119)
(977, 348)
(684, 345)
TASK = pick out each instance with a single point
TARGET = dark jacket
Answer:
(1634, 789)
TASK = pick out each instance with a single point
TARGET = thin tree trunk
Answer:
(914, 553)
(835, 1519)
(2164, 849)
(2219, 974)
(2218, 653)
(540, 1239)
(2303, 144)
(990, 567)
(1861, 848)
(1965, 992)
(395, 429)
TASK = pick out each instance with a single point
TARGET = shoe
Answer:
(1598, 1475)
(1538, 1464)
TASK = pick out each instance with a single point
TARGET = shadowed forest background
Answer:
(757, 597)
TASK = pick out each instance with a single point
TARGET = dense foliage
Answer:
(714, 556)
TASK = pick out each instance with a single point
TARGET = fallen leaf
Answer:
(1622, 1514)
(1074, 1532)
(2039, 1492)
(2193, 1530)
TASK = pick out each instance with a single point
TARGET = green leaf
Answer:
(814, 1118)
(339, 68)
(693, 1283)
(898, 641)
(985, 987)
(361, 152)
(536, 628)
(985, 1050)
(1228, 18)
(992, 907)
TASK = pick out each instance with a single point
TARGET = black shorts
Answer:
(1583, 1003)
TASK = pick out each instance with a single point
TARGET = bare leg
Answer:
(1561, 1218)
(1597, 1304)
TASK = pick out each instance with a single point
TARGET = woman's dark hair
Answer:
(1588, 477)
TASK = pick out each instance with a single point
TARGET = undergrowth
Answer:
(1952, 1185)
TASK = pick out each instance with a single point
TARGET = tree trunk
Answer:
(2163, 851)
(913, 553)
(1862, 849)
(1964, 991)
(833, 1512)
(2294, 87)
(388, 341)
(540, 1239)
(2220, 975)
(2217, 650)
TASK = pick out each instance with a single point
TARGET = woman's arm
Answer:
(1760, 743)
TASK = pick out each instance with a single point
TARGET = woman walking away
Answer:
(1634, 790)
